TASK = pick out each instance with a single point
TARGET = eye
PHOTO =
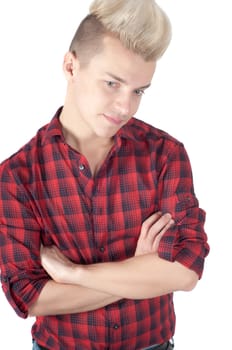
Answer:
(139, 92)
(111, 83)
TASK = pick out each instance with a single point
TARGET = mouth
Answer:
(113, 120)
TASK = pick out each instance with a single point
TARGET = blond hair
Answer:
(141, 25)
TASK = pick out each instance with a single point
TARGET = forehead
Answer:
(120, 61)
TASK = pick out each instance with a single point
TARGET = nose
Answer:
(123, 105)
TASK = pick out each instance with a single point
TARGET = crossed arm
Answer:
(77, 288)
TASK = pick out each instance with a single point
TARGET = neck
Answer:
(92, 147)
(78, 135)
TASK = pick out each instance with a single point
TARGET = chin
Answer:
(107, 132)
(107, 135)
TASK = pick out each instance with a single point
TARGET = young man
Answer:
(99, 220)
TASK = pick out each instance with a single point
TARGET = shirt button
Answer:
(102, 249)
(116, 326)
(81, 167)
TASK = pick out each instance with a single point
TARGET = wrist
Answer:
(69, 274)
(75, 274)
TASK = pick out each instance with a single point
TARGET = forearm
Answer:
(140, 277)
(57, 299)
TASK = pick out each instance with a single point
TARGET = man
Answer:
(99, 220)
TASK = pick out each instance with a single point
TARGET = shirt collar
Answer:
(130, 130)
(54, 129)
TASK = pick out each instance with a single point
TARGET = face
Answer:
(106, 93)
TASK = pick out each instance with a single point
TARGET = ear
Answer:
(70, 65)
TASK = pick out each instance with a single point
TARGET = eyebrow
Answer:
(115, 77)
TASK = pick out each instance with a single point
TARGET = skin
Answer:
(114, 86)
(101, 98)
(62, 297)
(141, 277)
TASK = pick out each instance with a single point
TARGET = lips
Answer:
(114, 120)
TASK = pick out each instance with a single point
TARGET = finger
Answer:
(159, 236)
(147, 224)
(162, 222)
(158, 226)
(51, 250)
(156, 242)
(60, 254)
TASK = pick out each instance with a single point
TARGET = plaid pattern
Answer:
(48, 194)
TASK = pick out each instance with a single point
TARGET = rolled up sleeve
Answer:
(186, 242)
(22, 275)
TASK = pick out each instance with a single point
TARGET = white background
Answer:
(190, 98)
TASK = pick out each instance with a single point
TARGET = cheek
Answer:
(90, 103)
(135, 105)
(102, 99)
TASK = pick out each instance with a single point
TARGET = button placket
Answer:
(114, 324)
(98, 220)
(102, 249)
(81, 167)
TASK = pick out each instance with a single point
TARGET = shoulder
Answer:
(154, 138)
(30, 152)
(25, 157)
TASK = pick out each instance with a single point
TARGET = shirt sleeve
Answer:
(22, 275)
(186, 241)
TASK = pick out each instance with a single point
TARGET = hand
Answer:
(151, 233)
(56, 264)
(61, 269)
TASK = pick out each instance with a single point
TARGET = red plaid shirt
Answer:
(49, 195)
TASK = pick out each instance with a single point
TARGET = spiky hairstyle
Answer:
(141, 25)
